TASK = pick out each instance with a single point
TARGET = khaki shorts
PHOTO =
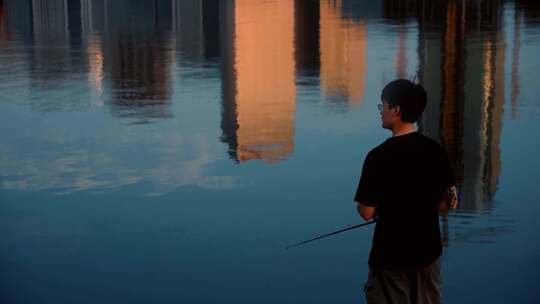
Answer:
(419, 286)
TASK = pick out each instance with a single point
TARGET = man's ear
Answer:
(396, 110)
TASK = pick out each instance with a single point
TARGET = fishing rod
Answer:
(329, 234)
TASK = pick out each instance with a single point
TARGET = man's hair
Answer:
(410, 97)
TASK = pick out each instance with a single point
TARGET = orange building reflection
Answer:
(260, 100)
(343, 45)
(95, 64)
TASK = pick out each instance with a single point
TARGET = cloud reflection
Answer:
(167, 166)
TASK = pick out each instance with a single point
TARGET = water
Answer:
(168, 151)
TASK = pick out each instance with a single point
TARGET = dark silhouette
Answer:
(406, 181)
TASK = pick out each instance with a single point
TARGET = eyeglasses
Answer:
(380, 106)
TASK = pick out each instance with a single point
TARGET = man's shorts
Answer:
(419, 286)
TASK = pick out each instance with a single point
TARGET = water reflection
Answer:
(466, 87)
(196, 26)
(343, 44)
(184, 97)
(515, 62)
(259, 96)
(3, 34)
(51, 41)
(138, 56)
(530, 10)
(306, 38)
(130, 54)
(19, 18)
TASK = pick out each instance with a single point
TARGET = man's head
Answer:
(402, 102)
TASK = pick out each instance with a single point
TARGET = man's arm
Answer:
(367, 191)
(449, 200)
(366, 212)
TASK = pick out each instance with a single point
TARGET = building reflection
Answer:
(3, 32)
(400, 12)
(137, 53)
(465, 112)
(196, 26)
(19, 18)
(461, 50)
(95, 65)
(93, 25)
(50, 33)
(361, 10)
(188, 27)
(265, 47)
(516, 45)
(526, 16)
(530, 10)
(306, 38)
(258, 79)
(343, 45)
(401, 56)
(93, 14)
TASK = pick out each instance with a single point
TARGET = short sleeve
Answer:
(366, 190)
(448, 178)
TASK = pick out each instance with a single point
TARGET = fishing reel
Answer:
(451, 198)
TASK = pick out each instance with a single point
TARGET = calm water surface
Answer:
(168, 151)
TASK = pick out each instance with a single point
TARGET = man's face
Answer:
(388, 115)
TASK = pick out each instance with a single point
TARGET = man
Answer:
(406, 181)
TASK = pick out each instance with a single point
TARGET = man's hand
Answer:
(449, 200)
(366, 212)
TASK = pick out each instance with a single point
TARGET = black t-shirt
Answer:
(404, 178)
